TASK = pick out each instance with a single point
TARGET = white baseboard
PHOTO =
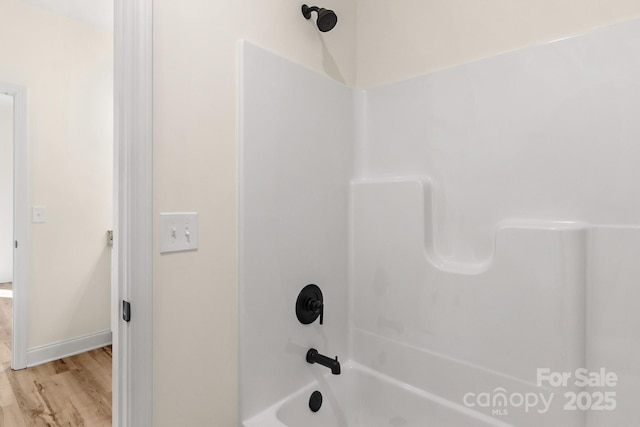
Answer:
(58, 350)
(6, 278)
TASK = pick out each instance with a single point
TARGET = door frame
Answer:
(132, 265)
(20, 224)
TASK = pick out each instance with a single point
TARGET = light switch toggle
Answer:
(178, 231)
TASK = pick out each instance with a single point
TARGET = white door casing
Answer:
(20, 224)
(133, 215)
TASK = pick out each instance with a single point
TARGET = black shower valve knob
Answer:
(310, 305)
(315, 306)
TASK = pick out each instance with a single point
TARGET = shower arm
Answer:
(306, 10)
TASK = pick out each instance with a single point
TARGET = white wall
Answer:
(6, 188)
(295, 167)
(67, 69)
(195, 169)
(400, 40)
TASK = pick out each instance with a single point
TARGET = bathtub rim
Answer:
(269, 416)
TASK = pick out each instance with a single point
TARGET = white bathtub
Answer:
(361, 397)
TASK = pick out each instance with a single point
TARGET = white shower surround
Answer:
(295, 166)
(493, 220)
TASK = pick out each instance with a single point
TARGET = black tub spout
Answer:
(314, 357)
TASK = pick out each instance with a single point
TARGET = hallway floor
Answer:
(71, 392)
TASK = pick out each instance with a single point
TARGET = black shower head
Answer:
(327, 19)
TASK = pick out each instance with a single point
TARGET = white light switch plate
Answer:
(178, 231)
(38, 214)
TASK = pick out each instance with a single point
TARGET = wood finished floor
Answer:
(71, 392)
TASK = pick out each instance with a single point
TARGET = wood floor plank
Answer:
(81, 399)
(57, 395)
(6, 392)
(11, 416)
(5, 329)
(71, 392)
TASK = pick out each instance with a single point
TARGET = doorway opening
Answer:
(132, 251)
(6, 225)
(61, 186)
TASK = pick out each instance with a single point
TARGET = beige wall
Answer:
(6, 188)
(195, 141)
(397, 40)
(67, 69)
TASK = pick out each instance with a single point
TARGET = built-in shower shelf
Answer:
(405, 208)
